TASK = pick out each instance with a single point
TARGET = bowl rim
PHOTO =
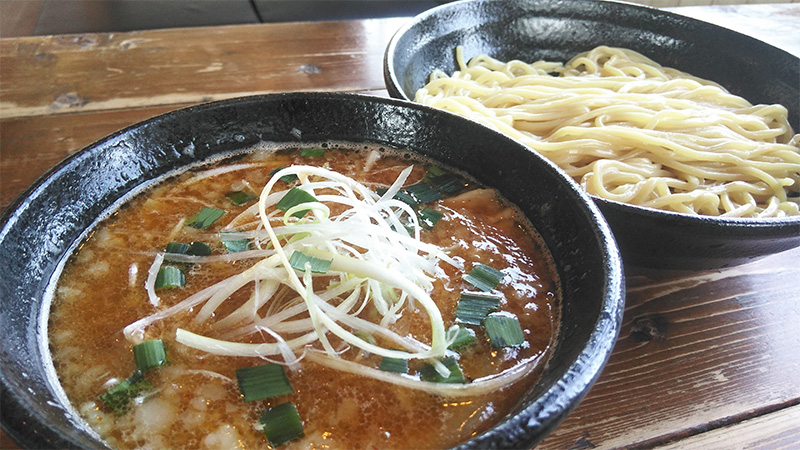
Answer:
(567, 389)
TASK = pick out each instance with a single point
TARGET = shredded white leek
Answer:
(150, 283)
(374, 260)
(477, 387)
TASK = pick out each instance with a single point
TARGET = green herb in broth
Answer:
(392, 344)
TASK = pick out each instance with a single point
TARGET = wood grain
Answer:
(99, 72)
(704, 359)
(775, 431)
(32, 145)
(697, 351)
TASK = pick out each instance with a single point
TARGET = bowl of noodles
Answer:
(302, 270)
(683, 132)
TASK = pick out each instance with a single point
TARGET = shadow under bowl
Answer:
(43, 225)
(557, 30)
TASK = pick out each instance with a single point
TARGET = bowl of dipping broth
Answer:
(303, 269)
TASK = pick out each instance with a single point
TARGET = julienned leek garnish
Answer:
(333, 267)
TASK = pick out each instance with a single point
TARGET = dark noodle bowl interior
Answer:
(41, 227)
(557, 30)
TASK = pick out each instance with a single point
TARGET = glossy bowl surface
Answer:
(557, 30)
(43, 225)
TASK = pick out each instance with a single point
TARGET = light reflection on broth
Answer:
(196, 402)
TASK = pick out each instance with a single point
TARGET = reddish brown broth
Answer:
(99, 294)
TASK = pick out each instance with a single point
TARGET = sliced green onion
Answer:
(170, 276)
(205, 217)
(233, 242)
(406, 198)
(408, 227)
(177, 248)
(150, 354)
(429, 217)
(195, 248)
(423, 192)
(473, 307)
(312, 152)
(465, 337)
(287, 178)
(448, 184)
(240, 197)
(119, 397)
(299, 260)
(282, 424)
(429, 373)
(260, 382)
(236, 246)
(401, 195)
(294, 197)
(433, 172)
(394, 365)
(198, 248)
(484, 277)
(503, 330)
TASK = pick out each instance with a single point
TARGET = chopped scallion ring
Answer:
(429, 373)
(423, 193)
(299, 260)
(473, 307)
(503, 330)
(236, 246)
(233, 241)
(433, 172)
(401, 195)
(118, 398)
(428, 218)
(239, 198)
(205, 217)
(294, 197)
(178, 248)
(282, 424)
(170, 276)
(448, 184)
(312, 152)
(198, 248)
(464, 338)
(150, 354)
(407, 198)
(260, 382)
(394, 365)
(484, 277)
(286, 178)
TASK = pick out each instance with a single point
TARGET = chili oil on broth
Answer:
(197, 403)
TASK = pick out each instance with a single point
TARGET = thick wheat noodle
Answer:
(633, 131)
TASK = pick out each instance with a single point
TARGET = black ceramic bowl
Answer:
(41, 227)
(557, 30)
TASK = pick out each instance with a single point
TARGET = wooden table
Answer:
(704, 359)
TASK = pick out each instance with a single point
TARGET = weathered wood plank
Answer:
(99, 72)
(774, 431)
(30, 146)
(696, 351)
(702, 358)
